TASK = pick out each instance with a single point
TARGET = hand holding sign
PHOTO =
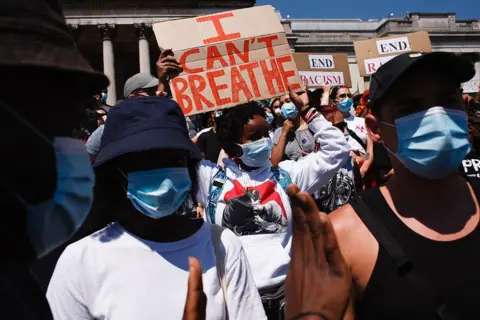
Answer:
(168, 66)
(229, 58)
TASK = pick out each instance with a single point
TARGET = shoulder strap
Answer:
(216, 234)
(381, 234)
(357, 138)
(216, 187)
(396, 253)
(282, 177)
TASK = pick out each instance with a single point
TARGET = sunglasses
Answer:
(345, 95)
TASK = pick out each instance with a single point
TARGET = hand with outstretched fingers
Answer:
(196, 304)
(319, 282)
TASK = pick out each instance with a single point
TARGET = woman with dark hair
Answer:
(137, 266)
(341, 98)
(248, 196)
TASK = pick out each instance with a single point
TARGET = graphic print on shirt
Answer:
(254, 210)
(360, 128)
(338, 191)
(471, 167)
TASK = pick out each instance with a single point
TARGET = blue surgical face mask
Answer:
(104, 97)
(51, 223)
(289, 111)
(344, 105)
(269, 118)
(256, 153)
(432, 143)
(158, 193)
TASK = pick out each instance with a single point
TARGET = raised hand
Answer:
(300, 101)
(318, 281)
(196, 299)
(167, 65)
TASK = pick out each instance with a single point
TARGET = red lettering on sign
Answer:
(221, 35)
(197, 85)
(304, 79)
(183, 61)
(371, 68)
(239, 84)
(213, 54)
(271, 76)
(232, 49)
(179, 86)
(211, 75)
(251, 74)
(268, 42)
(287, 73)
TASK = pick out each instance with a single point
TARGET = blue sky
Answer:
(372, 9)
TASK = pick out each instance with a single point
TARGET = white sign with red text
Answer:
(316, 79)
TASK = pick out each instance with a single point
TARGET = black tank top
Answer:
(414, 277)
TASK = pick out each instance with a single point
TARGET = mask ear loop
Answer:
(124, 176)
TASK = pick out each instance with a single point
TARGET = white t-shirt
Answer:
(257, 209)
(357, 125)
(115, 275)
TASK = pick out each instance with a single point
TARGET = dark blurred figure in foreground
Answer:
(46, 180)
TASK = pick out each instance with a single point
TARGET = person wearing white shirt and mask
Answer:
(137, 267)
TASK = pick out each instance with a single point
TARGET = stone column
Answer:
(107, 32)
(143, 32)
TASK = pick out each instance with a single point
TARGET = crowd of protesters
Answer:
(320, 204)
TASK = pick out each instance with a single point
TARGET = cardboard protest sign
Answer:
(373, 53)
(229, 58)
(473, 86)
(318, 69)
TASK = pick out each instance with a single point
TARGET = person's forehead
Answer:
(284, 97)
(421, 84)
(342, 91)
(257, 123)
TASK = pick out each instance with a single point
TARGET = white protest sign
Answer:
(372, 65)
(395, 45)
(229, 58)
(317, 78)
(317, 70)
(321, 62)
(373, 53)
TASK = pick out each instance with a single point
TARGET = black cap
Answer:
(449, 63)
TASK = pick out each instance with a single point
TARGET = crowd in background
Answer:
(319, 204)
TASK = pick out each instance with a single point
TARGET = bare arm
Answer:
(368, 157)
(325, 96)
(279, 150)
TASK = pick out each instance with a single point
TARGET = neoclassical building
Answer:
(116, 35)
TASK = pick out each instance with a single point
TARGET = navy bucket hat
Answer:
(141, 124)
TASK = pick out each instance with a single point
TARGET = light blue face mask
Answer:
(289, 111)
(432, 143)
(269, 118)
(345, 104)
(256, 153)
(51, 223)
(158, 193)
(54, 221)
(104, 96)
